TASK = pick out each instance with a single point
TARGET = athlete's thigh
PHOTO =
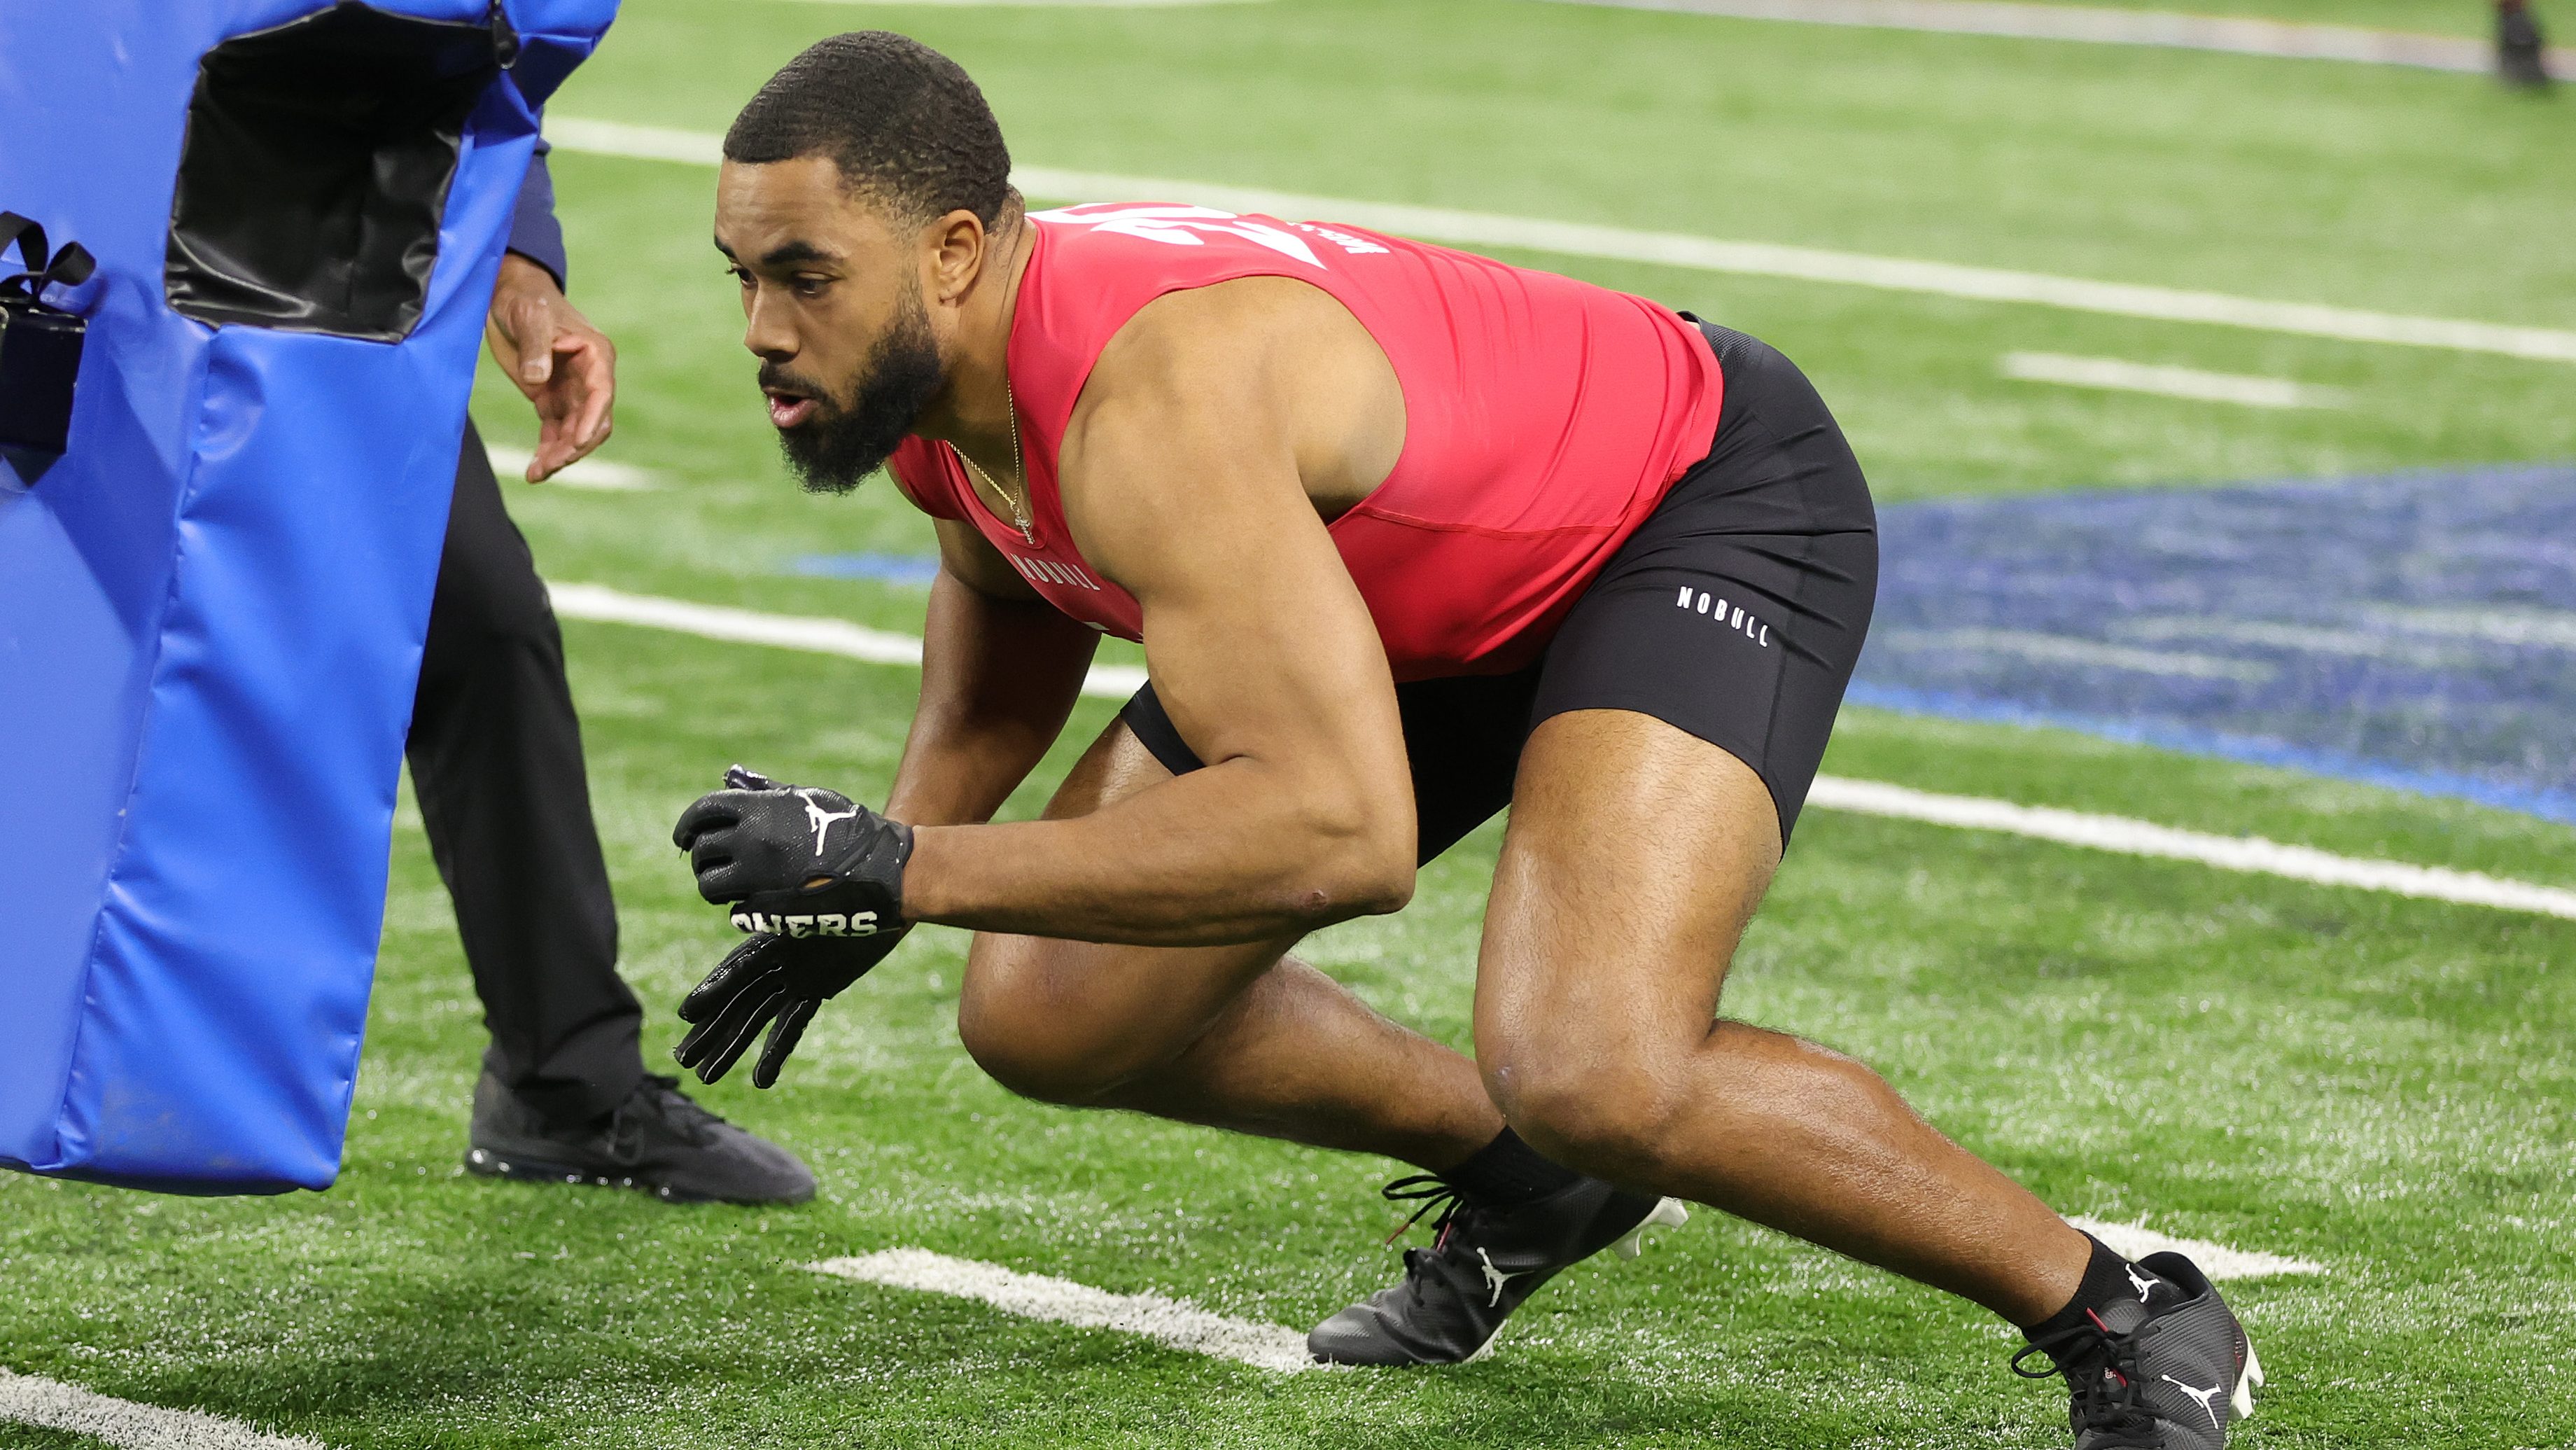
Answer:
(1684, 707)
(1108, 1010)
(1635, 856)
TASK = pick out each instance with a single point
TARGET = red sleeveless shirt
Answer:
(1544, 419)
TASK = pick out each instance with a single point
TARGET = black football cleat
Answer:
(2168, 1370)
(1484, 1262)
(656, 1141)
(2522, 56)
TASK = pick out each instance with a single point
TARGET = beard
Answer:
(848, 439)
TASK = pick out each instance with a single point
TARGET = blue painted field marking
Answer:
(2416, 630)
(909, 569)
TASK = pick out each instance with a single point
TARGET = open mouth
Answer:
(788, 410)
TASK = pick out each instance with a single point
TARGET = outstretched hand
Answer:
(564, 366)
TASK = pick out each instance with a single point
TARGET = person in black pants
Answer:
(496, 759)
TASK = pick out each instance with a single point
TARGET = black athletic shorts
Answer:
(1735, 612)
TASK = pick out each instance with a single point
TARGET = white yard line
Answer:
(2100, 25)
(636, 143)
(2117, 375)
(785, 631)
(53, 1405)
(1181, 1325)
(2218, 1261)
(2547, 628)
(2073, 650)
(1171, 1322)
(1867, 797)
(2302, 638)
(590, 473)
(739, 626)
(2250, 854)
(1755, 259)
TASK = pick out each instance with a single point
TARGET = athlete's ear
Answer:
(959, 250)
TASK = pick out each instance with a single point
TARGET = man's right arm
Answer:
(1000, 670)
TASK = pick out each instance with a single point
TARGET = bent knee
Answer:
(1030, 1034)
(1616, 1120)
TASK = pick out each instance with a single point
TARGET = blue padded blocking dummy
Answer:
(212, 601)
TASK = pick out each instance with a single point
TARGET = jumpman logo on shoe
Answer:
(2201, 1395)
(2140, 1282)
(1495, 1279)
(822, 819)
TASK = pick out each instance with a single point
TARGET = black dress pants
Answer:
(496, 760)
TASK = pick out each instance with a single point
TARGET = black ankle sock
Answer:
(2106, 1277)
(1508, 1171)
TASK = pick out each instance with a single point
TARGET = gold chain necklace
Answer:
(1019, 469)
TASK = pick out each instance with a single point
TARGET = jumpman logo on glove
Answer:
(820, 817)
(771, 847)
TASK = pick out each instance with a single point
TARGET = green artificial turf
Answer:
(2375, 1083)
(30, 1437)
(2367, 1081)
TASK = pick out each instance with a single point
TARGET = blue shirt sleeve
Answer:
(534, 232)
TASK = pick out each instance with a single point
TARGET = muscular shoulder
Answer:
(1203, 342)
(1267, 363)
(1184, 395)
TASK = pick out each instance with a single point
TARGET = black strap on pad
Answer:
(71, 266)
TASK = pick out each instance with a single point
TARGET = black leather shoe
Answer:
(657, 1140)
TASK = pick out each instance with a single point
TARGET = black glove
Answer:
(796, 861)
(757, 844)
(770, 979)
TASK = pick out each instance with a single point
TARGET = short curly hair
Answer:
(906, 125)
